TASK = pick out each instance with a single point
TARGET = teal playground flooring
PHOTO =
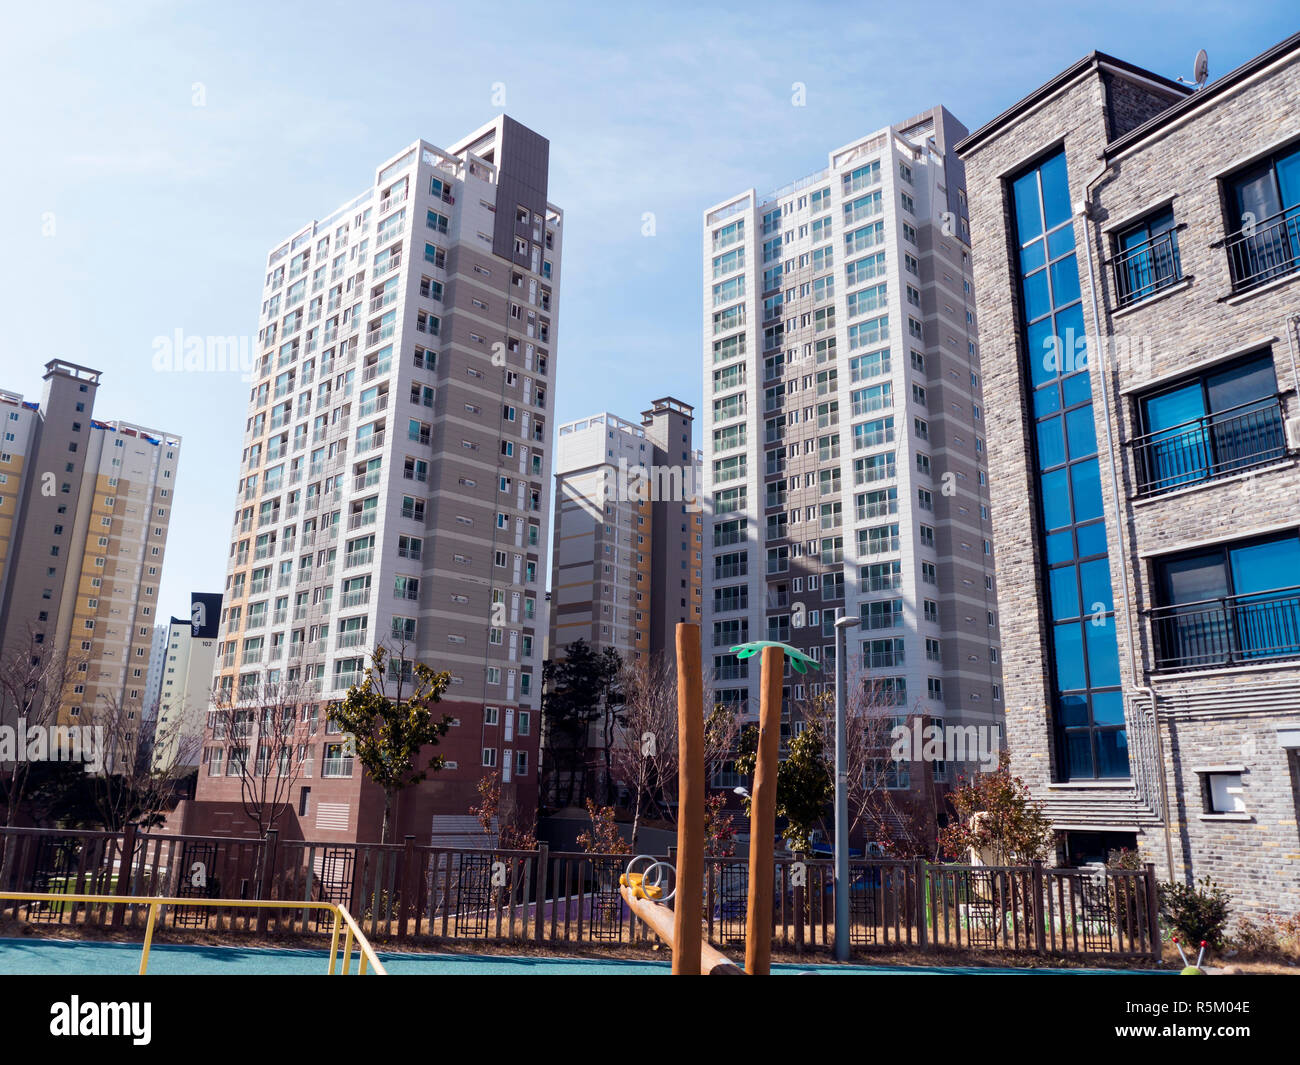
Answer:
(49, 957)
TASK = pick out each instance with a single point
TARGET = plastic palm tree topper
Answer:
(798, 660)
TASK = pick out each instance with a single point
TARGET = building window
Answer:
(1091, 740)
(1221, 792)
(1210, 426)
(1224, 605)
(1146, 257)
(1263, 226)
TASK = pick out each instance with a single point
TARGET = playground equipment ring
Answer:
(650, 883)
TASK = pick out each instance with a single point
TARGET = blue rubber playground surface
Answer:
(49, 957)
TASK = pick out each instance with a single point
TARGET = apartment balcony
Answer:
(879, 545)
(359, 558)
(389, 202)
(1230, 631)
(378, 303)
(378, 369)
(372, 406)
(361, 520)
(258, 587)
(369, 443)
(874, 474)
(1147, 268)
(1269, 251)
(732, 669)
(366, 480)
(1210, 447)
(378, 336)
(339, 767)
(353, 638)
(390, 264)
(352, 599)
(876, 510)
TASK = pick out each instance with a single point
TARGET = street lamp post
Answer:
(842, 625)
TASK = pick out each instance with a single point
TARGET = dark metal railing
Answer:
(1232, 630)
(561, 900)
(1267, 250)
(1147, 268)
(1212, 446)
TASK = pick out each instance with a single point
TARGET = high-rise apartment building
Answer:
(84, 510)
(185, 693)
(1138, 279)
(153, 675)
(844, 435)
(394, 480)
(628, 532)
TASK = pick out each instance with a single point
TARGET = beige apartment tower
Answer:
(84, 510)
(628, 532)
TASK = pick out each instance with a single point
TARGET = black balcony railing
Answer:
(1269, 249)
(1147, 268)
(1209, 447)
(1233, 630)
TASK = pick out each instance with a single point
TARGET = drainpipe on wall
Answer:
(1085, 210)
(1290, 347)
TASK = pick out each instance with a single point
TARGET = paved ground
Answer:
(51, 956)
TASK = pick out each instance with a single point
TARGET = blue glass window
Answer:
(1229, 604)
(1212, 425)
(1088, 702)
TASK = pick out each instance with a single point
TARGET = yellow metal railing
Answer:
(345, 926)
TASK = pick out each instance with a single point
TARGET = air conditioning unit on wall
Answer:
(1293, 433)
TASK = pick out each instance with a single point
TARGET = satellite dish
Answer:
(1200, 70)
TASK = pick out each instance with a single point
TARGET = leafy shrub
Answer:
(1195, 912)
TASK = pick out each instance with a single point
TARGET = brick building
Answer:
(1136, 246)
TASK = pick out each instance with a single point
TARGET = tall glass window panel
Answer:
(1091, 741)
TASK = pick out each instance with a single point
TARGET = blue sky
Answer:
(132, 213)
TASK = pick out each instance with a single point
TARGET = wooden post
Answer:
(407, 882)
(539, 892)
(125, 862)
(1036, 906)
(922, 901)
(1153, 912)
(688, 902)
(762, 818)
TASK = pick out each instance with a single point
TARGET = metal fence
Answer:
(407, 892)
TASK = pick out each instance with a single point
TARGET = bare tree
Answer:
(870, 717)
(264, 730)
(34, 679)
(133, 785)
(644, 755)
